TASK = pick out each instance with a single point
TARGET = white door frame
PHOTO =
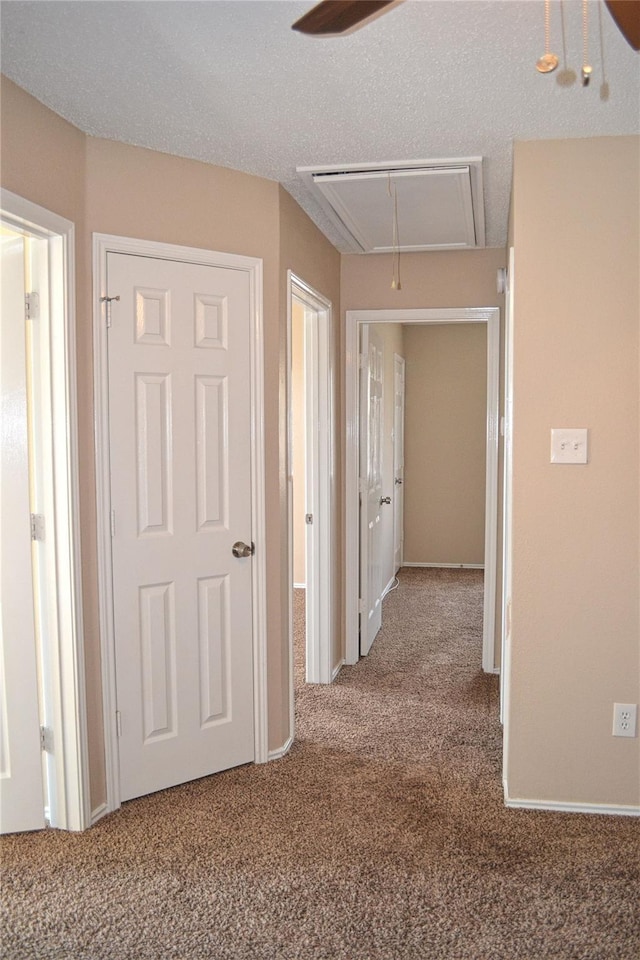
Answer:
(63, 651)
(398, 515)
(490, 316)
(507, 496)
(319, 386)
(103, 244)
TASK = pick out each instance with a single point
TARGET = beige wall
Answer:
(440, 279)
(576, 575)
(445, 443)
(109, 187)
(43, 160)
(298, 442)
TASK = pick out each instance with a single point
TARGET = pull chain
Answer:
(395, 243)
(548, 62)
(587, 70)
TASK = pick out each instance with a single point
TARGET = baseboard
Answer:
(98, 813)
(280, 752)
(561, 806)
(448, 566)
(299, 586)
(336, 670)
(388, 586)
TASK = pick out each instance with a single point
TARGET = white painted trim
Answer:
(446, 566)
(65, 656)
(560, 806)
(299, 586)
(336, 670)
(98, 813)
(321, 555)
(282, 751)
(507, 486)
(103, 244)
(388, 586)
(490, 316)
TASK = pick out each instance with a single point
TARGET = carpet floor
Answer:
(382, 835)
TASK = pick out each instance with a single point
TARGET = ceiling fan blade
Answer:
(338, 16)
(626, 14)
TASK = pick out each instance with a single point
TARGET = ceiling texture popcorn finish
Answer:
(230, 83)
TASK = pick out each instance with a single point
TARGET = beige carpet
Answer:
(382, 836)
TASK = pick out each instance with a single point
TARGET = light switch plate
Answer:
(569, 445)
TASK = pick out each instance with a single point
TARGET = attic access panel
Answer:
(440, 204)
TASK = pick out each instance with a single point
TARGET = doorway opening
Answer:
(44, 775)
(356, 577)
(311, 478)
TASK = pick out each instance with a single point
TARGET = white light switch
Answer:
(569, 446)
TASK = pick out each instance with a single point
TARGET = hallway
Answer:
(381, 836)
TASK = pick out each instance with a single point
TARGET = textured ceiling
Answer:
(230, 83)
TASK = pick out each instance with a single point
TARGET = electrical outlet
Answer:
(624, 719)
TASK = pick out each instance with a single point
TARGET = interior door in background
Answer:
(180, 433)
(398, 460)
(371, 426)
(22, 798)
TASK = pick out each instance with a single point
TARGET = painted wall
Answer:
(109, 187)
(43, 160)
(298, 441)
(445, 443)
(440, 279)
(576, 577)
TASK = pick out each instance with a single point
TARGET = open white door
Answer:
(181, 499)
(371, 425)
(22, 799)
(398, 460)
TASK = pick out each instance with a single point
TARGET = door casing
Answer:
(319, 385)
(103, 244)
(62, 646)
(490, 316)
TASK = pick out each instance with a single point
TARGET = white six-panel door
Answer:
(180, 445)
(22, 800)
(371, 427)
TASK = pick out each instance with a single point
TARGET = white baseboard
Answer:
(299, 586)
(280, 751)
(561, 806)
(336, 670)
(98, 813)
(388, 586)
(451, 566)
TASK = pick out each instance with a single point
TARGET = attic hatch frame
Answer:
(321, 183)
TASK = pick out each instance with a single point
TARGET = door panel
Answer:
(371, 427)
(180, 433)
(21, 781)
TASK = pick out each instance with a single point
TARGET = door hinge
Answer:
(46, 739)
(308, 518)
(108, 301)
(37, 526)
(113, 523)
(32, 305)
(118, 723)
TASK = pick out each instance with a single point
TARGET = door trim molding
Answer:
(490, 316)
(103, 244)
(65, 666)
(320, 593)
